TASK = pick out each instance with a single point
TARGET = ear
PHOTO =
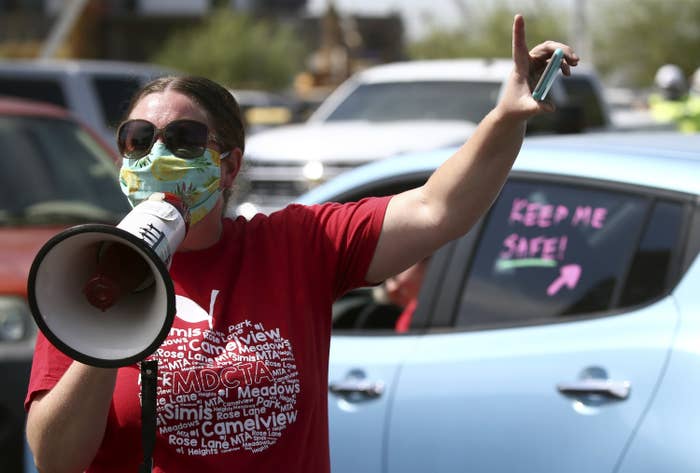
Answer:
(230, 166)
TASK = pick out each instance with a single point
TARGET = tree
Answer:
(489, 34)
(633, 38)
(236, 51)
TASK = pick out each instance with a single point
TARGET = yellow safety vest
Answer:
(685, 112)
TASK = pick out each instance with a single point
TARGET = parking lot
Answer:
(558, 335)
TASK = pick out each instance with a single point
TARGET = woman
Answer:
(243, 383)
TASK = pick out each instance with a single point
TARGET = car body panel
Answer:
(669, 429)
(377, 361)
(471, 390)
(18, 249)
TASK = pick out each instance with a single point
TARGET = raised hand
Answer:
(517, 101)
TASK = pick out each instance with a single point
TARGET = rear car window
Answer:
(433, 100)
(44, 90)
(649, 274)
(549, 251)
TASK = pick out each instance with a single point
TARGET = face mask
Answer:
(196, 181)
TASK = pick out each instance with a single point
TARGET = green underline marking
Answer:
(503, 264)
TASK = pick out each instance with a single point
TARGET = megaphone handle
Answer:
(149, 384)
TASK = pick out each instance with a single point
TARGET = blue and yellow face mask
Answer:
(196, 181)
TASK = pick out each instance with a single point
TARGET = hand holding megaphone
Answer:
(162, 222)
(102, 294)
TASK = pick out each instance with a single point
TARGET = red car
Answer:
(55, 172)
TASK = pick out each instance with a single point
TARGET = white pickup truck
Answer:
(393, 109)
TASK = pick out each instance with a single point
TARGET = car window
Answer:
(44, 90)
(581, 92)
(368, 308)
(114, 94)
(382, 187)
(434, 100)
(58, 174)
(650, 269)
(553, 250)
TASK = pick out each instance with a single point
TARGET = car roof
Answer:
(18, 106)
(472, 69)
(664, 160)
(82, 65)
(488, 70)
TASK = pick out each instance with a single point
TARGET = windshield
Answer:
(434, 100)
(53, 171)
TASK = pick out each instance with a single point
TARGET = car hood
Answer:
(17, 251)
(353, 141)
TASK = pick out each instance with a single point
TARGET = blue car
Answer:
(562, 334)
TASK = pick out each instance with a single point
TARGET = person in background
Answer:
(402, 289)
(691, 124)
(244, 379)
(672, 103)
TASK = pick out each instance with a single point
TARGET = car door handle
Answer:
(619, 390)
(350, 387)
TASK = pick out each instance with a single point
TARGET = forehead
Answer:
(160, 108)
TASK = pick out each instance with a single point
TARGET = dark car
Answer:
(55, 172)
(95, 91)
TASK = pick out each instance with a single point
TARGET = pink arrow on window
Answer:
(568, 276)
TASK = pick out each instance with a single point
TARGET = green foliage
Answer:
(633, 38)
(489, 33)
(237, 51)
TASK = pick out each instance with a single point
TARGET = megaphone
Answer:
(76, 300)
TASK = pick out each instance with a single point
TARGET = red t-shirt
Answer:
(403, 323)
(242, 382)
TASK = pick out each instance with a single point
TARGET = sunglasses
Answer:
(186, 139)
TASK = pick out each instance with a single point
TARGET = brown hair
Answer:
(219, 104)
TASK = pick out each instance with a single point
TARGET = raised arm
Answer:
(419, 221)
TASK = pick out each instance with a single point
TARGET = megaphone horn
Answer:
(102, 294)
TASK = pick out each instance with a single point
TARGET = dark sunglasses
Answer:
(186, 139)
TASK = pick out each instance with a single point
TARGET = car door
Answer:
(362, 375)
(367, 355)
(551, 332)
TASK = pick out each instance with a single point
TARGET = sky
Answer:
(414, 12)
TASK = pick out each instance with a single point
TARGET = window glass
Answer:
(419, 101)
(548, 251)
(390, 186)
(371, 308)
(54, 172)
(114, 94)
(581, 92)
(44, 90)
(652, 260)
